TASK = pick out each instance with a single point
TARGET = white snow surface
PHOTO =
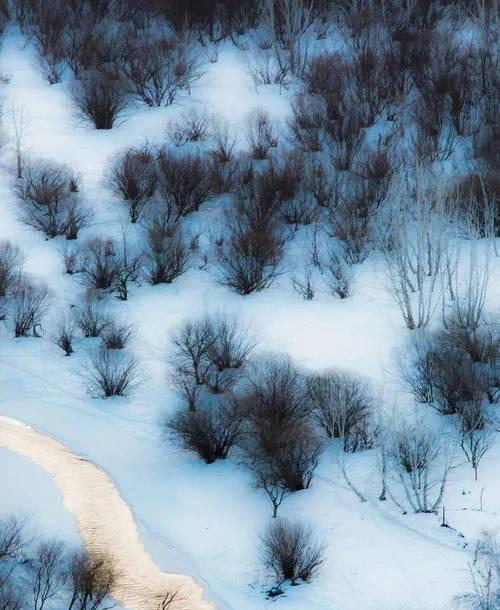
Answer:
(199, 520)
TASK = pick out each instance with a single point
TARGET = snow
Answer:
(204, 521)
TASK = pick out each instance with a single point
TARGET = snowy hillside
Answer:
(380, 256)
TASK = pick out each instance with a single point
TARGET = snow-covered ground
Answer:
(194, 519)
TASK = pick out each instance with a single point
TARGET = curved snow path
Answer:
(105, 522)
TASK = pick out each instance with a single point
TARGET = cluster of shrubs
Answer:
(265, 407)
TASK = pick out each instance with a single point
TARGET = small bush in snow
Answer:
(210, 353)
(91, 318)
(65, 335)
(342, 405)
(184, 183)
(49, 195)
(30, 302)
(292, 552)
(11, 265)
(167, 254)
(261, 134)
(211, 431)
(101, 98)
(116, 336)
(110, 373)
(133, 178)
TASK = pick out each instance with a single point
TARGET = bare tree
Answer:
(46, 573)
(91, 580)
(249, 255)
(98, 263)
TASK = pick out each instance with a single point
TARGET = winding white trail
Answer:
(105, 521)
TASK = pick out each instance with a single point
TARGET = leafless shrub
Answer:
(281, 448)
(11, 265)
(413, 243)
(417, 368)
(346, 137)
(50, 200)
(261, 134)
(343, 407)
(249, 253)
(101, 98)
(133, 178)
(306, 124)
(420, 460)
(339, 276)
(292, 552)
(211, 352)
(478, 197)
(485, 576)
(266, 69)
(184, 183)
(159, 68)
(224, 141)
(116, 335)
(65, 335)
(98, 263)
(436, 137)
(92, 318)
(302, 283)
(30, 302)
(48, 31)
(351, 222)
(110, 373)
(91, 581)
(193, 126)
(129, 267)
(476, 435)
(211, 431)
(167, 254)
